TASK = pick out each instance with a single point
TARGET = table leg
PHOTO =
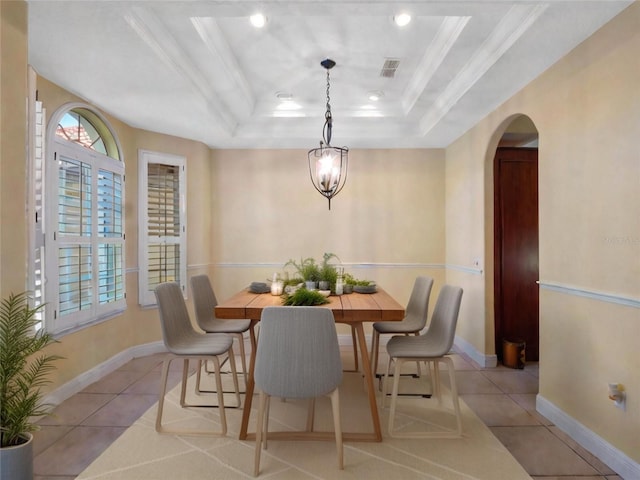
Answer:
(366, 366)
(248, 398)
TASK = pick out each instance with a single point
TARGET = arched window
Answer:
(83, 227)
(85, 128)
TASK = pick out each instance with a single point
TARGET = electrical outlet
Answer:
(618, 395)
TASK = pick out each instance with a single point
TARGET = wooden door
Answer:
(516, 248)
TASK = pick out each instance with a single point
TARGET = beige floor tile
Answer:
(47, 436)
(75, 451)
(472, 382)
(144, 364)
(528, 402)
(540, 452)
(499, 410)
(76, 409)
(122, 411)
(592, 459)
(513, 381)
(115, 382)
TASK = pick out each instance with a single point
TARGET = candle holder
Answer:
(277, 285)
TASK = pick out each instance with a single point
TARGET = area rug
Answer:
(142, 454)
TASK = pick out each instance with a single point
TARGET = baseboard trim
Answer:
(82, 381)
(624, 466)
(482, 359)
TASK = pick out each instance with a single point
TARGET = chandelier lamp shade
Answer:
(327, 164)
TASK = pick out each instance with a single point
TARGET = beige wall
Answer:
(13, 95)
(389, 216)
(586, 109)
(386, 225)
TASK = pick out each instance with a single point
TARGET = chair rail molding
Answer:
(587, 293)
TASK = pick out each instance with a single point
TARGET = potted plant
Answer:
(307, 269)
(328, 273)
(349, 282)
(23, 371)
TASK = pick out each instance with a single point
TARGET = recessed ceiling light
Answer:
(258, 20)
(375, 95)
(284, 96)
(402, 19)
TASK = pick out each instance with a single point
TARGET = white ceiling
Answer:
(199, 70)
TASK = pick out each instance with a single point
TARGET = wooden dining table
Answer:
(353, 309)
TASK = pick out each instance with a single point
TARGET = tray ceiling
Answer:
(200, 70)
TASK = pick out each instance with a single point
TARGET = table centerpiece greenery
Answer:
(304, 297)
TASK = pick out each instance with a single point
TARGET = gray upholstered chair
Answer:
(204, 303)
(184, 342)
(414, 321)
(432, 346)
(297, 357)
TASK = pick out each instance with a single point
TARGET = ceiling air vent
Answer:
(389, 68)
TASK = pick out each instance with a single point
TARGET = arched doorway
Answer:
(515, 174)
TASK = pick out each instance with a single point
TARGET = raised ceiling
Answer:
(200, 70)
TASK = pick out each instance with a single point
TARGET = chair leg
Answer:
(260, 426)
(375, 345)
(355, 349)
(311, 413)
(266, 422)
(385, 380)
(394, 393)
(417, 361)
(199, 375)
(183, 390)
(446, 432)
(185, 376)
(163, 391)
(436, 381)
(454, 394)
(234, 375)
(243, 360)
(223, 416)
(337, 426)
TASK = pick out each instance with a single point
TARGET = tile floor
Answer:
(87, 423)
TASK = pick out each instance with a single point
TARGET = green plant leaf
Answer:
(24, 368)
(304, 297)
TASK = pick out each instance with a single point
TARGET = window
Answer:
(162, 216)
(83, 226)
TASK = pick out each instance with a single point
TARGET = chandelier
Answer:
(327, 164)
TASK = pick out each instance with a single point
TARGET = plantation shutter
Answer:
(75, 275)
(110, 226)
(164, 223)
(37, 184)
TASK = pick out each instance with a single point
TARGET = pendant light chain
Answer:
(327, 116)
